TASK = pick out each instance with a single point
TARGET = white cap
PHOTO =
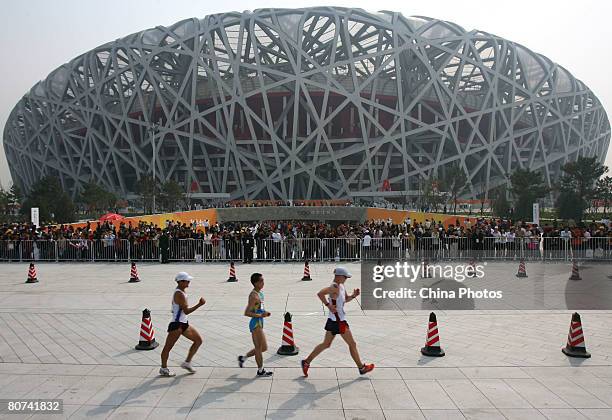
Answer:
(182, 276)
(341, 271)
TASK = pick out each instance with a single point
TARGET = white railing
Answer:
(311, 249)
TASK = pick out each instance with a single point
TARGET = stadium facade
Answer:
(303, 103)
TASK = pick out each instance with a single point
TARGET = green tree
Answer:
(501, 205)
(454, 182)
(579, 182)
(171, 196)
(527, 187)
(54, 203)
(147, 187)
(4, 201)
(96, 198)
(569, 206)
(604, 191)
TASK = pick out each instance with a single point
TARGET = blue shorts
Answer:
(256, 322)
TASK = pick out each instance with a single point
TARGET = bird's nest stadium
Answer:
(313, 103)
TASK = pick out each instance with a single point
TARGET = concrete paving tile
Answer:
(561, 414)
(244, 400)
(464, 394)
(130, 371)
(571, 393)
(536, 394)
(377, 373)
(227, 414)
(93, 412)
(331, 401)
(148, 392)
(131, 413)
(68, 410)
(394, 395)
(305, 414)
(431, 373)
(403, 415)
(236, 373)
(364, 414)
(304, 386)
(429, 395)
(84, 389)
(522, 414)
(482, 414)
(500, 394)
(114, 392)
(256, 385)
(169, 413)
(596, 413)
(443, 414)
(182, 392)
(494, 372)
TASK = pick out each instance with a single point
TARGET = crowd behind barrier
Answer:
(201, 241)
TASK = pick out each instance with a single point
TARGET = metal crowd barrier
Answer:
(312, 249)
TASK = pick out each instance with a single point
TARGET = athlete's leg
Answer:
(192, 334)
(173, 336)
(348, 338)
(259, 341)
(329, 337)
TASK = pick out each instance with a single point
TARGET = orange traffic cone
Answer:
(134, 274)
(32, 274)
(575, 346)
(306, 272)
(147, 333)
(575, 274)
(432, 341)
(522, 272)
(288, 347)
(232, 273)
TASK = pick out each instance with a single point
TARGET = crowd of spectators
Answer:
(280, 240)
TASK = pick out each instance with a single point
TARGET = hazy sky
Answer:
(37, 36)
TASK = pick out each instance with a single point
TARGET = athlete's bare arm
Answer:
(348, 297)
(332, 291)
(181, 301)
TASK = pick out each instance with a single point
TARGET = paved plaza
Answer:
(72, 336)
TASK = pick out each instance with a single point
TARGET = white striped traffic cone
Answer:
(288, 347)
(134, 274)
(232, 273)
(306, 272)
(32, 274)
(575, 274)
(432, 340)
(522, 272)
(576, 346)
(147, 333)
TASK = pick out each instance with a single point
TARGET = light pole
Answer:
(152, 130)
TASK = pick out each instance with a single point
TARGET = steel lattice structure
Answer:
(303, 103)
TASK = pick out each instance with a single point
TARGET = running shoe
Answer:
(366, 368)
(264, 373)
(166, 372)
(241, 361)
(305, 366)
(187, 366)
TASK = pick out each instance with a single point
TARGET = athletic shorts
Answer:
(336, 327)
(173, 326)
(255, 323)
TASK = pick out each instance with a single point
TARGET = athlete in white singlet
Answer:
(336, 321)
(179, 325)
